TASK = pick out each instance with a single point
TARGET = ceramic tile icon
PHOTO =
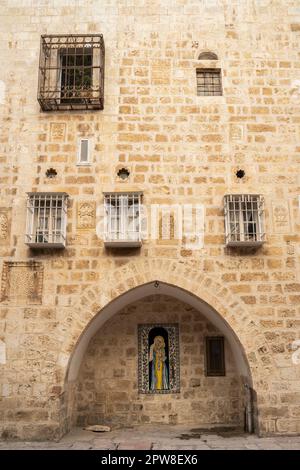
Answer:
(158, 360)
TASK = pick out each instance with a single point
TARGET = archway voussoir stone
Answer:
(95, 308)
(131, 283)
(120, 288)
(91, 294)
(85, 301)
(139, 279)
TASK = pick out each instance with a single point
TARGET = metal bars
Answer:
(71, 72)
(244, 219)
(209, 82)
(46, 220)
(122, 219)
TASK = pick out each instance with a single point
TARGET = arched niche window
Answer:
(209, 81)
(207, 56)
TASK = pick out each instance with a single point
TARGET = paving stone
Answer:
(135, 445)
(158, 438)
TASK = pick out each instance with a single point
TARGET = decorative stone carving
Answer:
(57, 131)
(236, 132)
(22, 282)
(2, 352)
(290, 249)
(281, 217)
(4, 225)
(86, 214)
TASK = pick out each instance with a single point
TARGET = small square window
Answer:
(215, 357)
(209, 82)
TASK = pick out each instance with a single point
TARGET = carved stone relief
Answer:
(22, 282)
(86, 214)
(4, 225)
(58, 131)
(2, 352)
(281, 217)
(236, 132)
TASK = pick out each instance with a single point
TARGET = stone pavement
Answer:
(160, 437)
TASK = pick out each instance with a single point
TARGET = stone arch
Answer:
(102, 301)
(150, 289)
(182, 275)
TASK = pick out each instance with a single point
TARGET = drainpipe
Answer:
(249, 410)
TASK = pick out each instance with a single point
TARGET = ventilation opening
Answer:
(51, 173)
(123, 173)
(240, 174)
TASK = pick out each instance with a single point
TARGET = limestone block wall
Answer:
(107, 390)
(179, 148)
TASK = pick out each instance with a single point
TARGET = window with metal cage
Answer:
(123, 219)
(209, 82)
(244, 224)
(46, 220)
(71, 72)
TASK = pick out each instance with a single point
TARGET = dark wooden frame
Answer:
(209, 371)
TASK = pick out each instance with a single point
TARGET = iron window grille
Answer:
(71, 72)
(122, 219)
(244, 224)
(209, 82)
(46, 220)
(215, 356)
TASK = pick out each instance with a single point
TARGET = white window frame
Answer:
(46, 221)
(244, 219)
(79, 161)
(122, 219)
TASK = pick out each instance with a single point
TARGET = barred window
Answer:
(71, 72)
(209, 82)
(76, 73)
(244, 224)
(46, 220)
(215, 356)
(123, 219)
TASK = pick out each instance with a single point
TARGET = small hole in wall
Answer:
(240, 174)
(51, 173)
(123, 173)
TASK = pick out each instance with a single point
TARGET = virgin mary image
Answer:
(158, 367)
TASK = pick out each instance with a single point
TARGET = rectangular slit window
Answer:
(83, 153)
(215, 356)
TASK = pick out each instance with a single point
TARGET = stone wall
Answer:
(179, 148)
(107, 384)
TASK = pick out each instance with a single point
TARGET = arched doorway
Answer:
(104, 382)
